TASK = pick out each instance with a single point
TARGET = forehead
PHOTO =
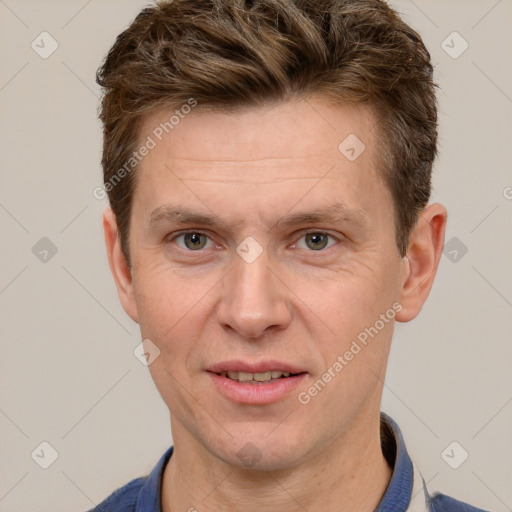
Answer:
(266, 158)
(274, 140)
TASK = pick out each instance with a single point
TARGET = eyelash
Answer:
(304, 234)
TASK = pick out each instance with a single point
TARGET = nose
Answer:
(254, 300)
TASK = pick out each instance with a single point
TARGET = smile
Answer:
(256, 388)
(256, 378)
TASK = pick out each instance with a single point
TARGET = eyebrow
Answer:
(336, 212)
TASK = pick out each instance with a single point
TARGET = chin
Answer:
(264, 452)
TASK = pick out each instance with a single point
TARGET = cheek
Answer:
(173, 311)
(348, 301)
(354, 356)
(162, 304)
(358, 339)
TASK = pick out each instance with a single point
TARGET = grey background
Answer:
(67, 369)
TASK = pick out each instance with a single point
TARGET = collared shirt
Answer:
(406, 491)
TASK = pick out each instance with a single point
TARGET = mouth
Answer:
(260, 383)
(258, 377)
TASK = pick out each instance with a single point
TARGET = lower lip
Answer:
(265, 393)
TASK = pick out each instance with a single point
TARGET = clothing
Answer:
(406, 491)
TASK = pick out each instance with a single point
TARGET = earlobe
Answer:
(120, 269)
(422, 259)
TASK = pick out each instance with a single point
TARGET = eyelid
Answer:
(305, 232)
(172, 237)
(298, 235)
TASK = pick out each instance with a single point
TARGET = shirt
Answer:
(406, 491)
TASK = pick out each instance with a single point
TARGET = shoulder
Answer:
(123, 499)
(139, 495)
(442, 503)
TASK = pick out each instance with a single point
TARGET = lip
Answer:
(237, 365)
(264, 393)
(256, 394)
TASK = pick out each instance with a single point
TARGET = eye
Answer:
(192, 241)
(316, 241)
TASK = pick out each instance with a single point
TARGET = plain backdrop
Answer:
(68, 374)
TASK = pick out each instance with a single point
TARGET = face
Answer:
(258, 246)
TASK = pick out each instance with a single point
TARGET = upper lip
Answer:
(237, 365)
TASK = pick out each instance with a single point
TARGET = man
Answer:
(268, 169)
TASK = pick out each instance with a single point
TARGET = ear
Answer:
(118, 265)
(420, 263)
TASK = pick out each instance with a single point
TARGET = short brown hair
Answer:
(228, 54)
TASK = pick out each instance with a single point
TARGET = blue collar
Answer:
(397, 497)
(399, 491)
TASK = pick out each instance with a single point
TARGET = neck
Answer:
(350, 474)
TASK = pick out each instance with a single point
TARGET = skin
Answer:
(293, 303)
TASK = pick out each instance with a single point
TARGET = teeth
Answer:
(244, 377)
(255, 377)
(262, 377)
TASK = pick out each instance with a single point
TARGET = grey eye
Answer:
(316, 241)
